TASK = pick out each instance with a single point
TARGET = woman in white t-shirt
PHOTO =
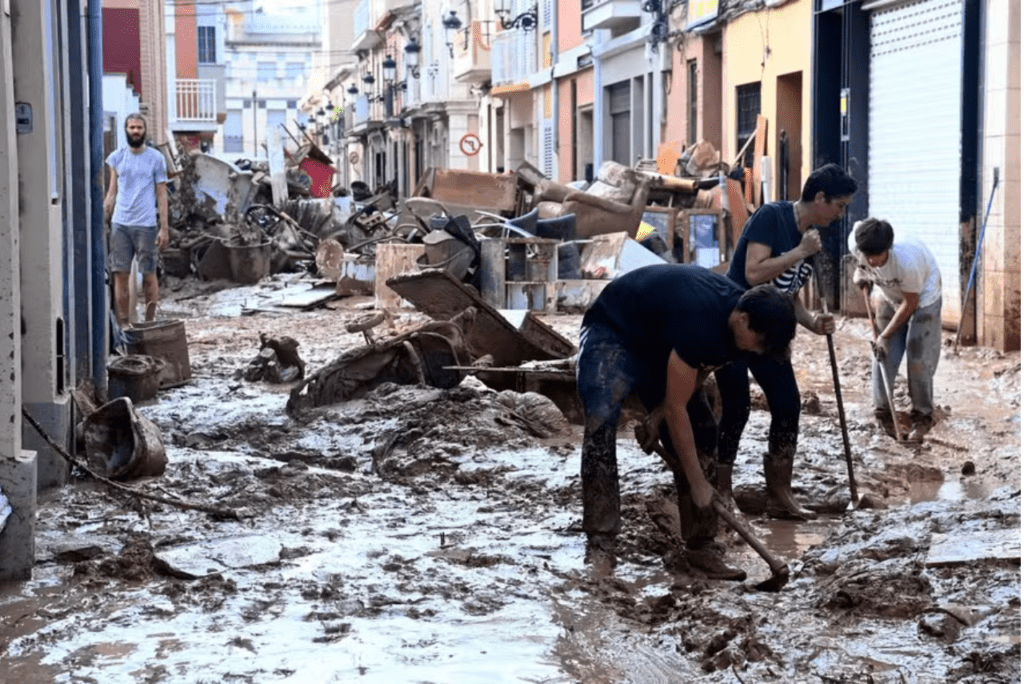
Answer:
(909, 319)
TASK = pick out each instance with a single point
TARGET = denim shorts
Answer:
(129, 241)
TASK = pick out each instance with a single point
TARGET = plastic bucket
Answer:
(163, 340)
(135, 376)
(249, 263)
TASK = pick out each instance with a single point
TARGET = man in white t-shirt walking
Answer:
(908, 314)
(136, 205)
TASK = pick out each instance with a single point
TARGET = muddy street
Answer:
(418, 534)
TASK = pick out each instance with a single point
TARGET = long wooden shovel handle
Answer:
(885, 378)
(775, 564)
(839, 395)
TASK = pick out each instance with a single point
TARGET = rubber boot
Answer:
(778, 475)
(723, 475)
(698, 528)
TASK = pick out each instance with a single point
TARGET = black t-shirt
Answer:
(656, 309)
(773, 225)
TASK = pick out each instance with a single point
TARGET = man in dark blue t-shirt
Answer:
(659, 331)
(775, 247)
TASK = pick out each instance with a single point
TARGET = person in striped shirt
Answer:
(776, 247)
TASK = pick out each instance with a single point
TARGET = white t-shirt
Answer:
(910, 268)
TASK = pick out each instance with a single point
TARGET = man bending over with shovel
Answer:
(909, 318)
(658, 331)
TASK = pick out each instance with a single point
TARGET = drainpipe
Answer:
(555, 111)
(598, 115)
(98, 262)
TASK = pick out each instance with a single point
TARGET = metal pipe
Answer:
(98, 263)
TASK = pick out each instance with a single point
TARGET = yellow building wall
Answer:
(761, 46)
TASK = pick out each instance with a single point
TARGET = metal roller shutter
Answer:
(914, 154)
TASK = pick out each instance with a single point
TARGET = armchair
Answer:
(613, 203)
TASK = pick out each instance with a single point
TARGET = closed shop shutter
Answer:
(914, 156)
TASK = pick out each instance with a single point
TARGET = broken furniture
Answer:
(614, 202)
(519, 273)
(510, 337)
(424, 356)
(464, 192)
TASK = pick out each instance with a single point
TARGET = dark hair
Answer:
(135, 116)
(772, 314)
(873, 236)
(831, 180)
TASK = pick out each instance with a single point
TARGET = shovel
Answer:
(885, 378)
(854, 498)
(649, 442)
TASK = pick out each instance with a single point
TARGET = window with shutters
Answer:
(748, 106)
(619, 109)
(207, 38)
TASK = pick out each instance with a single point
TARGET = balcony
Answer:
(363, 28)
(515, 57)
(195, 105)
(617, 15)
(472, 62)
(365, 117)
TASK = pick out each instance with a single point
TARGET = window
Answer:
(619, 108)
(691, 97)
(748, 106)
(207, 37)
(266, 71)
(233, 131)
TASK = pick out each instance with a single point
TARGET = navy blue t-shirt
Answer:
(773, 225)
(656, 309)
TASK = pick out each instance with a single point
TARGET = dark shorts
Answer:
(130, 241)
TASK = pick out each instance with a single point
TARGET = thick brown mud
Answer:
(428, 535)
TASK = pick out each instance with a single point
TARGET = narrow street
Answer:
(426, 535)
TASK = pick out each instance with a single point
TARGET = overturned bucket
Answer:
(121, 443)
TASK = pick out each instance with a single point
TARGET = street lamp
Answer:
(412, 58)
(525, 20)
(451, 23)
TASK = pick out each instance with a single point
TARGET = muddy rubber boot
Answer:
(723, 474)
(709, 557)
(883, 417)
(778, 475)
(922, 424)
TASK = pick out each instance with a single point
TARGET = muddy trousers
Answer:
(780, 389)
(920, 339)
(607, 373)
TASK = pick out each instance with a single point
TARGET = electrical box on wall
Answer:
(844, 114)
(23, 118)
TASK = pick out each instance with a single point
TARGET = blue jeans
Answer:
(920, 338)
(607, 373)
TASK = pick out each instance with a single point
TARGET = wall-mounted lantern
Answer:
(526, 20)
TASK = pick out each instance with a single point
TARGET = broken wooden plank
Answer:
(439, 295)
(959, 548)
(392, 260)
